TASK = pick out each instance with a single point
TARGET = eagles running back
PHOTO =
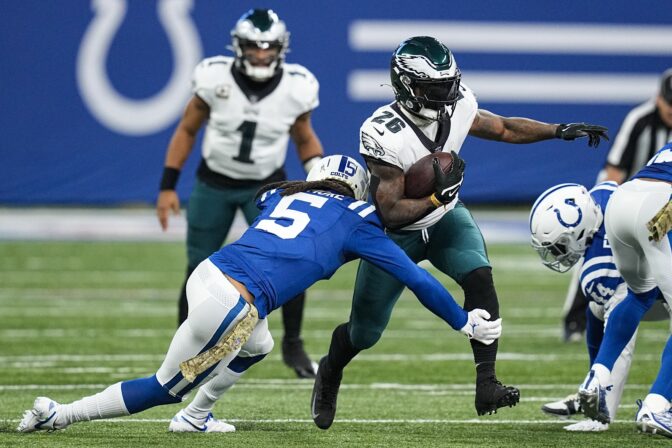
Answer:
(247, 133)
(390, 137)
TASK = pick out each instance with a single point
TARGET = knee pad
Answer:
(479, 292)
(260, 341)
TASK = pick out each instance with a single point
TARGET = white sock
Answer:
(106, 404)
(603, 374)
(208, 394)
(657, 403)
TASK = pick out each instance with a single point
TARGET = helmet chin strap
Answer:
(259, 73)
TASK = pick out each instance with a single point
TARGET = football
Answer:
(419, 179)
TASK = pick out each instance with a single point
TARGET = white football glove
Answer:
(480, 328)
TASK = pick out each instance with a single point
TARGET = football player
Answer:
(433, 111)
(567, 225)
(252, 104)
(312, 227)
(638, 221)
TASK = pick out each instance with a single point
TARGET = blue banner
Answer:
(92, 89)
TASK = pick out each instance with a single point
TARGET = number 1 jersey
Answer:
(248, 131)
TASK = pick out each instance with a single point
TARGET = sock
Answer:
(292, 317)
(485, 370)
(663, 384)
(341, 350)
(657, 403)
(594, 334)
(619, 376)
(622, 323)
(210, 392)
(479, 292)
(106, 404)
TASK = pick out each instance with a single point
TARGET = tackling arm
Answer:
(387, 191)
(179, 148)
(307, 143)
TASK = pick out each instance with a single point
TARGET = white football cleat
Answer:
(41, 418)
(563, 408)
(587, 426)
(653, 422)
(593, 398)
(184, 423)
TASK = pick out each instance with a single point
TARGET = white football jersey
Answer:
(246, 136)
(391, 137)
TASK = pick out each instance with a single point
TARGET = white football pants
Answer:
(643, 264)
(215, 307)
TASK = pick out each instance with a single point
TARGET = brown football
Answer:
(419, 179)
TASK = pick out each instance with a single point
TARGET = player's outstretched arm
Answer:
(525, 130)
(179, 148)
(387, 191)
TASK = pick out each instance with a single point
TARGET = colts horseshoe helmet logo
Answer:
(572, 204)
(109, 107)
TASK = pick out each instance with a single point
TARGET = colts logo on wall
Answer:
(106, 104)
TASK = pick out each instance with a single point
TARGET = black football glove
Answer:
(446, 185)
(573, 131)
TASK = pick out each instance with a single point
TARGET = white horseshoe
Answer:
(150, 115)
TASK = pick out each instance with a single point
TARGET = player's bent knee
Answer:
(260, 342)
(145, 393)
(364, 338)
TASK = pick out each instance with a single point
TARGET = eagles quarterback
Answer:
(433, 111)
(252, 103)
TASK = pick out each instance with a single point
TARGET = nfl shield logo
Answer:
(223, 91)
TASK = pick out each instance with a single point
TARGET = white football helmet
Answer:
(562, 222)
(345, 169)
(259, 28)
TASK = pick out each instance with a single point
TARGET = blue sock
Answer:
(663, 384)
(594, 334)
(145, 393)
(239, 364)
(623, 321)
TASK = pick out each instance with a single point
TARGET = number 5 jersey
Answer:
(248, 130)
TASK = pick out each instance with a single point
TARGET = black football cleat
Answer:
(325, 393)
(492, 395)
(295, 357)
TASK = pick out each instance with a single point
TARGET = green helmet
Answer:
(259, 28)
(425, 77)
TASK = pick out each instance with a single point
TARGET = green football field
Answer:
(75, 317)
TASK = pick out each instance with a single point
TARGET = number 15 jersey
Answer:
(248, 130)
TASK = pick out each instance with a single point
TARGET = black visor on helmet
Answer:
(435, 94)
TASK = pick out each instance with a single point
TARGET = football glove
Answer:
(573, 131)
(480, 328)
(446, 185)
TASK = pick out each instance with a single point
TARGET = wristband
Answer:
(169, 178)
(435, 200)
(558, 130)
(310, 163)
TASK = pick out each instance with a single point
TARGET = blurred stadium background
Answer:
(90, 93)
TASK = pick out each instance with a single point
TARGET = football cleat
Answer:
(570, 405)
(185, 423)
(587, 425)
(325, 393)
(295, 357)
(42, 417)
(653, 422)
(491, 395)
(593, 399)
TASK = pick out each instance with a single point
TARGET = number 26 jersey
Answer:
(247, 134)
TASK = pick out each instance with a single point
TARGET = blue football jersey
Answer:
(599, 276)
(659, 167)
(300, 239)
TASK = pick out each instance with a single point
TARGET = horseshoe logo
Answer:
(119, 113)
(572, 204)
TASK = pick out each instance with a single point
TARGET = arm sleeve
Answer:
(370, 243)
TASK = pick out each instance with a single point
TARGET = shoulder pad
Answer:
(208, 74)
(377, 142)
(305, 87)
